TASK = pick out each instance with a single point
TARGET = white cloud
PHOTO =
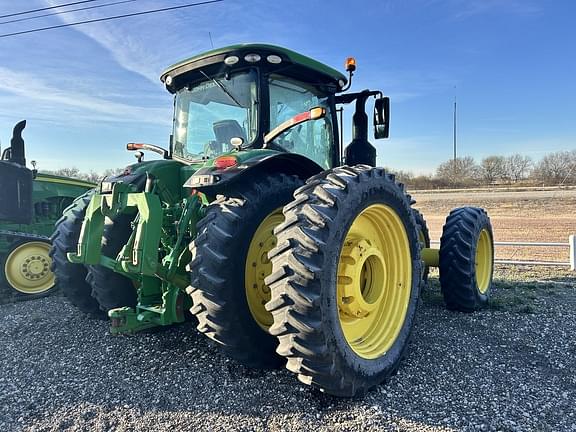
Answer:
(49, 102)
(121, 39)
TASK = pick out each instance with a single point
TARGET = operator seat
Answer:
(225, 130)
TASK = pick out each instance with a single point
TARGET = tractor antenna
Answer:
(211, 43)
(454, 138)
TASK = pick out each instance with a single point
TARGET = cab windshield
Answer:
(209, 113)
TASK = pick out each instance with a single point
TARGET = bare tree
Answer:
(401, 175)
(517, 167)
(493, 168)
(91, 176)
(71, 172)
(459, 171)
(112, 172)
(556, 168)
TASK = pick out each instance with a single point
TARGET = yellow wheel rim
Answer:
(258, 267)
(483, 263)
(374, 281)
(27, 268)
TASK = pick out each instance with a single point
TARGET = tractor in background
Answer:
(30, 204)
(288, 248)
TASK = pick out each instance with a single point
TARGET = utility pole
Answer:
(454, 126)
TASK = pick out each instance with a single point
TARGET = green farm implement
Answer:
(33, 202)
(287, 247)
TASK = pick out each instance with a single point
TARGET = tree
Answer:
(557, 168)
(91, 176)
(493, 168)
(459, 171)
(401, 175)
(517, 167)
(71, 172)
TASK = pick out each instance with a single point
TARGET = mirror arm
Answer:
(150, 147)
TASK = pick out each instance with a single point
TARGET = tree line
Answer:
(554, 169)
(558, 168)
(91, 176)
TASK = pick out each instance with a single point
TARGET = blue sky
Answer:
(87, 90)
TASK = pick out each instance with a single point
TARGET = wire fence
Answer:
(571, 245)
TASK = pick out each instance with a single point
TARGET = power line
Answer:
(67, 11)
(110, 18)
(46, 8)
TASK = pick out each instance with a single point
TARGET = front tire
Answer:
(346, 279)
(229, 263)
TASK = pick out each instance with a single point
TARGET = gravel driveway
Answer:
(510, 367)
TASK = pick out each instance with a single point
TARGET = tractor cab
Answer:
(255, 96)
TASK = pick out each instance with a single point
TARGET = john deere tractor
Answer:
(30, 204)
(287, 248)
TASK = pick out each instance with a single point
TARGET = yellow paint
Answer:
(484, 261)
(258, 267)
(431, 257)
(374, 281)
(27, 268)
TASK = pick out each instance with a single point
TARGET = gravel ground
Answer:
(510, 367)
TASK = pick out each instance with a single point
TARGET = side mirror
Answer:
(382, 118)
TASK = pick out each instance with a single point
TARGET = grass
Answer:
(517, 289)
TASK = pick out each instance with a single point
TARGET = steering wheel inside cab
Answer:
(228, 134)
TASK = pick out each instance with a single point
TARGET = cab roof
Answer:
(217, 56)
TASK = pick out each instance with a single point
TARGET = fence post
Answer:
(572, 241)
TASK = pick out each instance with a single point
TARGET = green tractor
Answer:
(286, 248)
(30, 204)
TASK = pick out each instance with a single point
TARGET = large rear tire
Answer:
(72, 277)
(466, 259)
(229, 264)
(346, 279)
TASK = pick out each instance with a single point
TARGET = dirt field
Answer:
(532, 216)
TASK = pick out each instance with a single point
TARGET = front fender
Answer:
(211, 180)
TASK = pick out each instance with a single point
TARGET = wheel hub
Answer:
(262, 268)
(361, 278)
(258, 267)
(27, 268)
(34, 267)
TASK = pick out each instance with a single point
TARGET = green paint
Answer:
(164, 222)
(50, 196)
(293, 56)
